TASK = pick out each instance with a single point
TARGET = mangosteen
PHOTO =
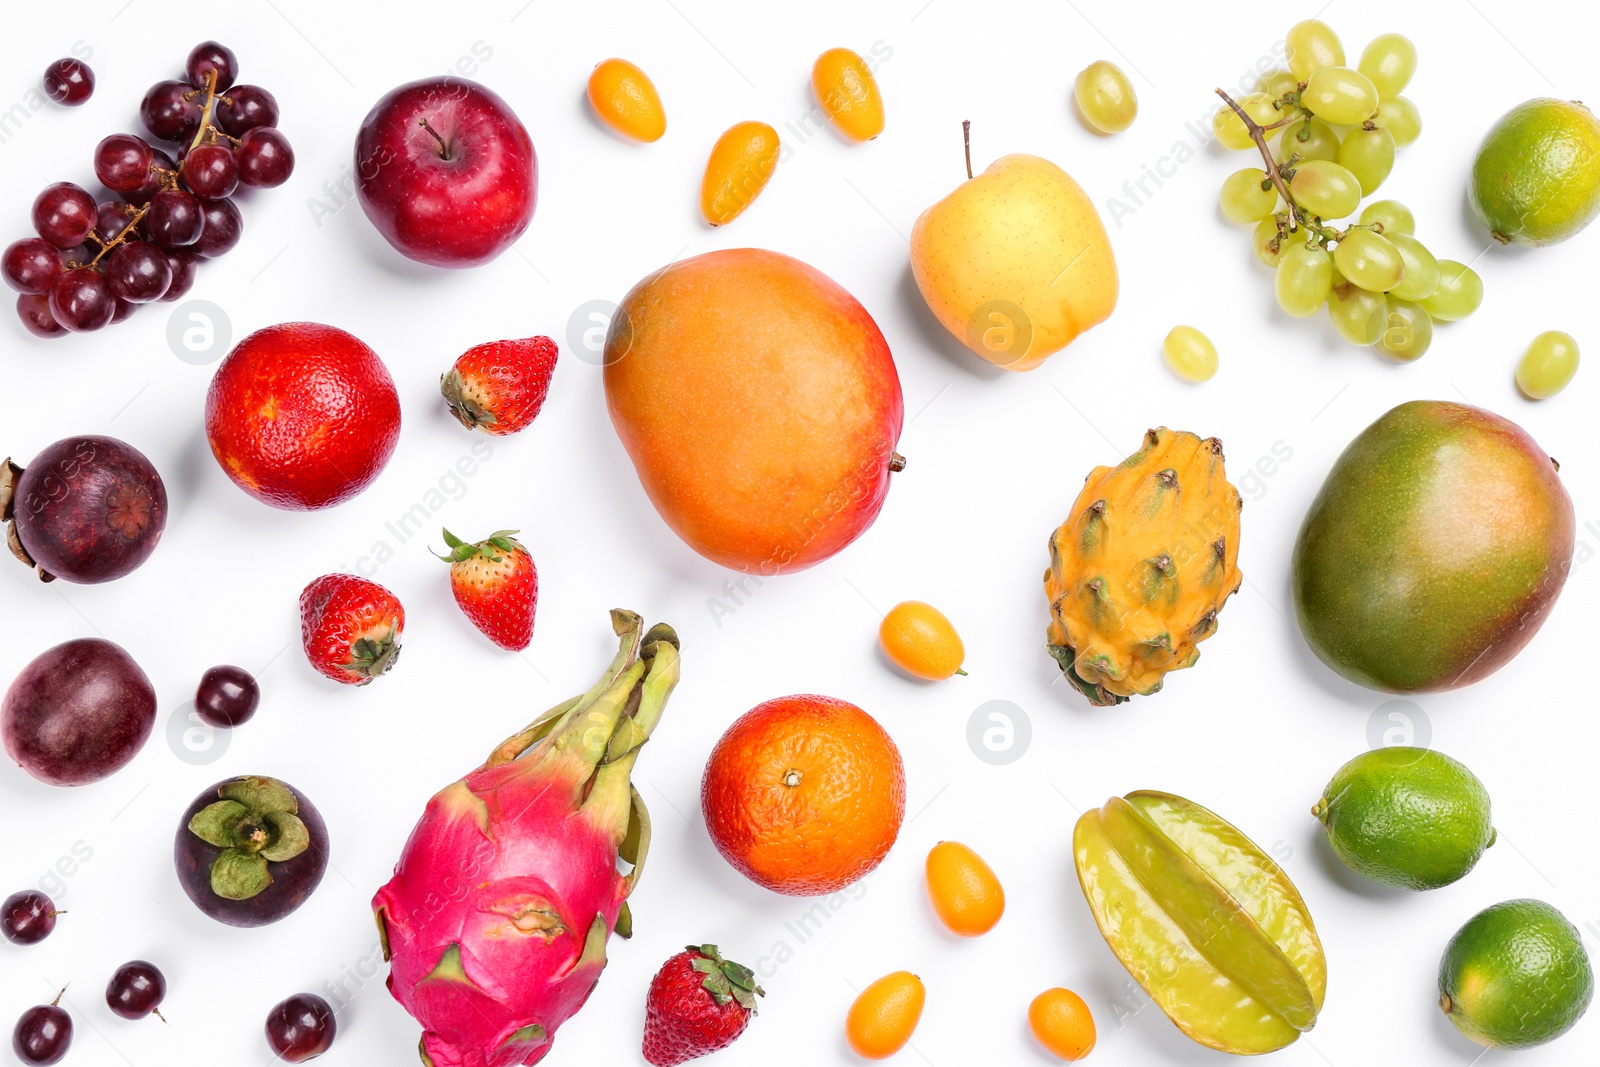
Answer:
(251, 850)
(78, 712)
(87, 509)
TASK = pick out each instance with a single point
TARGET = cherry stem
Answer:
(1299, 218)
(56, 1002)
(444, 149)
(208, 113)
(966, 143)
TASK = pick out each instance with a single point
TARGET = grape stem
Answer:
(1299, 218)
(207, 113)
(122, 235)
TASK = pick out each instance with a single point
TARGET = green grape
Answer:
(1340, 95)
(1369, 155)
(1548, 365)
(1321, 142)
(1369, 261)
(1357, 314)
(1389, 61)
(1261, 240)
(1325, 189)
(1392, 215)
(1190, 354)
(1407, 332)
(1311, 45)
(1276, 83)
(1106, 97)
(1459, 294)
(1243, 199)
(1421, 269)
(1401, 118)
(1305, 273)
(1230, 128)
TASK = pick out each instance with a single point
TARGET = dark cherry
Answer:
(31, 265)
(211, 171)
(209, 56)
(43, 1034)
(137, 272)
(81, 300)
(301, 1028)
(175, 218)
(171, 111)
(182, 261)
(246, 107)
(69, 81)
(136, 990)
(265, 158)
(63, 214)
(26, 918)
(122, 162)
(34, 311)
(222, 229)
(227, 696)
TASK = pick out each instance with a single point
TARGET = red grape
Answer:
(222, 229)
(246, 107)
(208, 56)
(138, 272)
(31, 265)
(265, 158)
(64, 214)
(34, 311)
(170, 111)
(227, 696)
(182, 261)
(124, 309)
(174, 219)
(81, 300)
(122, 162)
(111, 218)
(211, 171)
(69, 81)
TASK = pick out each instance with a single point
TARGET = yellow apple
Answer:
(1015, 263)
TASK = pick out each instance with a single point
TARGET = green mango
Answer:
(1434, 551)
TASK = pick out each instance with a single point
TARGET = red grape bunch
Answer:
(165, 208)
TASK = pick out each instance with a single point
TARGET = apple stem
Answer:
(966, 143)
(444, 149)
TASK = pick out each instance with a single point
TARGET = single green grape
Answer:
(1325, 189)
(1389, 61)
(1548, 365)
(1190, 354)
(1263, 241)
(1369, 155)
(1340, 95)
(1276, 83)
(1230, 128)
(1421, 269)
(1243, 199)
(1407, 332)
(1106, 97)
(1311, 45)
(1459, 293)
(1321, 142)
(1401, 118)
(1357, 314)
(1392, 215)
(1370, 261)
(1305, 273)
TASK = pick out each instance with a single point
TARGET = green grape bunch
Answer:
(1327, 134)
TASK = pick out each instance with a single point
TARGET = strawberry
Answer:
(350, 627)
(500, 386)
(698, 1003)
(496, 586)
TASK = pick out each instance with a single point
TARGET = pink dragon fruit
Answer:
(496, 921)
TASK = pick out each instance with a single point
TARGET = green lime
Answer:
(1515, 976)
(1536, 179)
(1407, 817)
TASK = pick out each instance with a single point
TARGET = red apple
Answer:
(446, 172)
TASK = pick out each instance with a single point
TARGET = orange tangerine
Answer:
(625, 99)
(966, 894)
(885, 1015)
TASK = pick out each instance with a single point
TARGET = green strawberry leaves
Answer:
(726, 980)
(493, 548)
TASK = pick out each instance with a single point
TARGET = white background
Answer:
(995, 461)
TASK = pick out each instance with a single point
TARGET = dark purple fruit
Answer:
(26, 918)
(136, 990)
(227, 696)
(87, 509)
(250, 851)
(301, 1028)
(43, 1034)
(79, 712)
